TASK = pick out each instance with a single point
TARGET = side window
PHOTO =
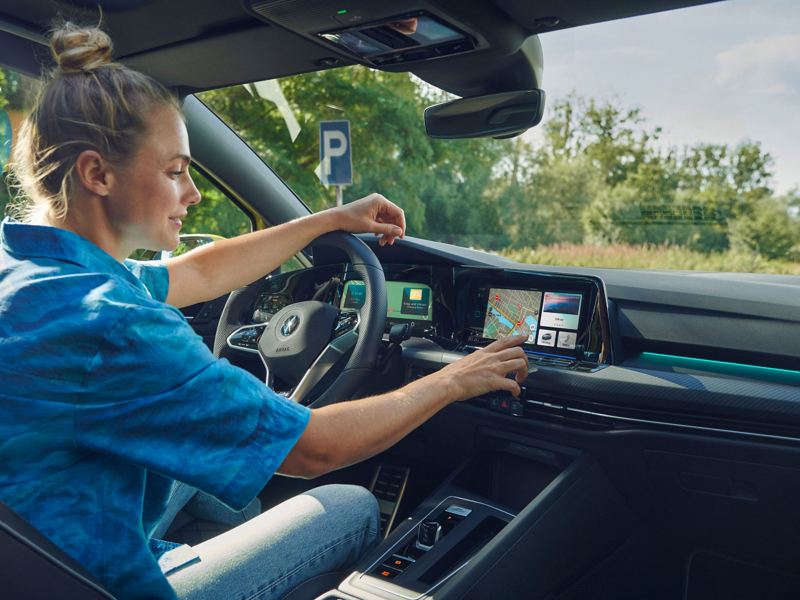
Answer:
(17, 93)
(216, 214)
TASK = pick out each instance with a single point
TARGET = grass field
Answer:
(650, 257)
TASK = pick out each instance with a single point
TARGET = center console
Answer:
(515, 521)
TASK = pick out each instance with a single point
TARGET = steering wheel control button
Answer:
(346, 321)
(428, 534)
(246, 338)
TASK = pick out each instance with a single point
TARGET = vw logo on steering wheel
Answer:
(290, 325)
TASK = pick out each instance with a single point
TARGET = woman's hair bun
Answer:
(78, 48)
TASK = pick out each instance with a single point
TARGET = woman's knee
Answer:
(352, 503)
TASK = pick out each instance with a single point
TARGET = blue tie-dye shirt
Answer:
(107, 396)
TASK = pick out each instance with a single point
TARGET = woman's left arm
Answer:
(220, 267)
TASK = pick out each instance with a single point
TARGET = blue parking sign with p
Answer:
(334, 153)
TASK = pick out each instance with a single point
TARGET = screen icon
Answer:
(566, 339)
(547, 337)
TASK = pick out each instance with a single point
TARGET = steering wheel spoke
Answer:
(340, 345)
(245, 339)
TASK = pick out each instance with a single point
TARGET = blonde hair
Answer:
(89, 102)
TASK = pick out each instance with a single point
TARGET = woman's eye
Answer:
(177, 173)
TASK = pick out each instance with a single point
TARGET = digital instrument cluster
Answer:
(406, 302)
(268, 304)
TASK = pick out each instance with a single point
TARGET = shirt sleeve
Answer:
(157, 397)
(153, 274)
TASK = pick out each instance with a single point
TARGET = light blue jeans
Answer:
(325, 529)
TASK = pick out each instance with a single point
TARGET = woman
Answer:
(109, 398)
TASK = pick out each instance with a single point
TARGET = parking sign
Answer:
(334, 153)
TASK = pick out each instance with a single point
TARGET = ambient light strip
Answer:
(750, 434)
(722, 367)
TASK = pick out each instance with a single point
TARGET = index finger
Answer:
(507, 342)
(391, 213)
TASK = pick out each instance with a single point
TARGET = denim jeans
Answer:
(201, 507)
(325, 529)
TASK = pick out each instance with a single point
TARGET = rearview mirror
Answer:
(495, 115)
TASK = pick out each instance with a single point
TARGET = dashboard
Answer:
(564, 318)
(613, 349)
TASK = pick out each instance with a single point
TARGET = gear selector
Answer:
(428, 534)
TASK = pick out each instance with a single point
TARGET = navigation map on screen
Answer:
(512, 312)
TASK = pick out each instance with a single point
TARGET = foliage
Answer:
(215, 214)
(598, 188)
(648, 256)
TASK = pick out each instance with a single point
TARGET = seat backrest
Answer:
(32, 567)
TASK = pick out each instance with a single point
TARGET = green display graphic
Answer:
(405, 300)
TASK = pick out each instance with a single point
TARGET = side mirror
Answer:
(494, 115)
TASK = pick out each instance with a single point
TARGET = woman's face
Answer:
(151, 194)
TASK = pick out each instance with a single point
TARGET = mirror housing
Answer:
(494, 115)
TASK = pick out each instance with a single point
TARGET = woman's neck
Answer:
(89, 220)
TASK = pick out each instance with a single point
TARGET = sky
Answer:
(719, 73)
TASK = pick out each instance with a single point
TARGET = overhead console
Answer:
(406, 37)
(375, 33)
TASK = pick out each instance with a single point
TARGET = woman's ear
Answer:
(94, 172)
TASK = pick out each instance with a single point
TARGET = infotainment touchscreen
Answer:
(405, 301)
(549, 319)
(512, 312)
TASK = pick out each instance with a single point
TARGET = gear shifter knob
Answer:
(428, 534)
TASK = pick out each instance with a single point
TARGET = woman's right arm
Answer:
(342, 434)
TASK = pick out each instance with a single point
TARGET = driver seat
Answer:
(34, 568)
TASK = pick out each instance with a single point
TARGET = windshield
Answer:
(668, 142)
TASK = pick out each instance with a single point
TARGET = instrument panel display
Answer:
(405, 301)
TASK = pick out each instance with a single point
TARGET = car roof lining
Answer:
(209, 44)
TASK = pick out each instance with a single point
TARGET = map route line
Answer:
(512, 321)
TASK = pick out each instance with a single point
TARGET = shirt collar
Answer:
(41, 241)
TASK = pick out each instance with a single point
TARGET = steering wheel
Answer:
(304, 340)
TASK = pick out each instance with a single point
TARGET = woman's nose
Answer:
(192, 194)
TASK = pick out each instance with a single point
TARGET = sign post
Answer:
(335, 157)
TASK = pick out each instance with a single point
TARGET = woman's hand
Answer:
(487, 370)
(372, 214)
